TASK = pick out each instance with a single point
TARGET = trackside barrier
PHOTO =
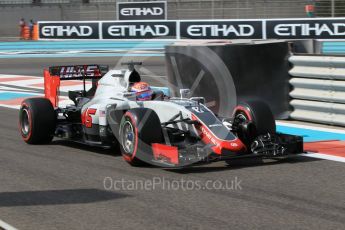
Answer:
(318, 93)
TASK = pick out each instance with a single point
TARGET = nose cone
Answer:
(232, 146)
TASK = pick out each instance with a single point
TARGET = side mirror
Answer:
(184, 93)
(200, 100)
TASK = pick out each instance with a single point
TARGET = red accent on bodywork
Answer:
(165, 152)
(51, 88)
(243, 109)
(86, 118)
(208, 137)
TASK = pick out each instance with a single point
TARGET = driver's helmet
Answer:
(142, 91)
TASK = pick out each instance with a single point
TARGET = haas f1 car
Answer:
(148, 125)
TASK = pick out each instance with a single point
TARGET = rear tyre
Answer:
(139, 128)
(37, 121)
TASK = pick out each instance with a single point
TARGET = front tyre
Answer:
(37, 121)
(139, 128)
(250, 120)
(253, 118)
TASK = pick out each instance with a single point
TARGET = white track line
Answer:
(13, 89)
(10, 106)
(40, 80)
(323, 156)
(15, 76)
(26, 83)
(6, 226)
(310, 127)
(19, 91)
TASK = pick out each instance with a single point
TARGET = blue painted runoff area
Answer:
(12, 95)
(310, 135)
(333, 47)
(82, 45)
(57, 49)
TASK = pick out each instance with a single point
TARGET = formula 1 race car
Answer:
(148, 125)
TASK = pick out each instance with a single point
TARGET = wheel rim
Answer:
(128, 138)
(247, 127)
(242, 118)
(25, 124)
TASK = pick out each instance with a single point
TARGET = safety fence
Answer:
(318, 93)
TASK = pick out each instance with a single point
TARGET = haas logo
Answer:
(209, 136)
(78, 71)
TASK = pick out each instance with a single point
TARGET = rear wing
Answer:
(55, 74)
(78, 72)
